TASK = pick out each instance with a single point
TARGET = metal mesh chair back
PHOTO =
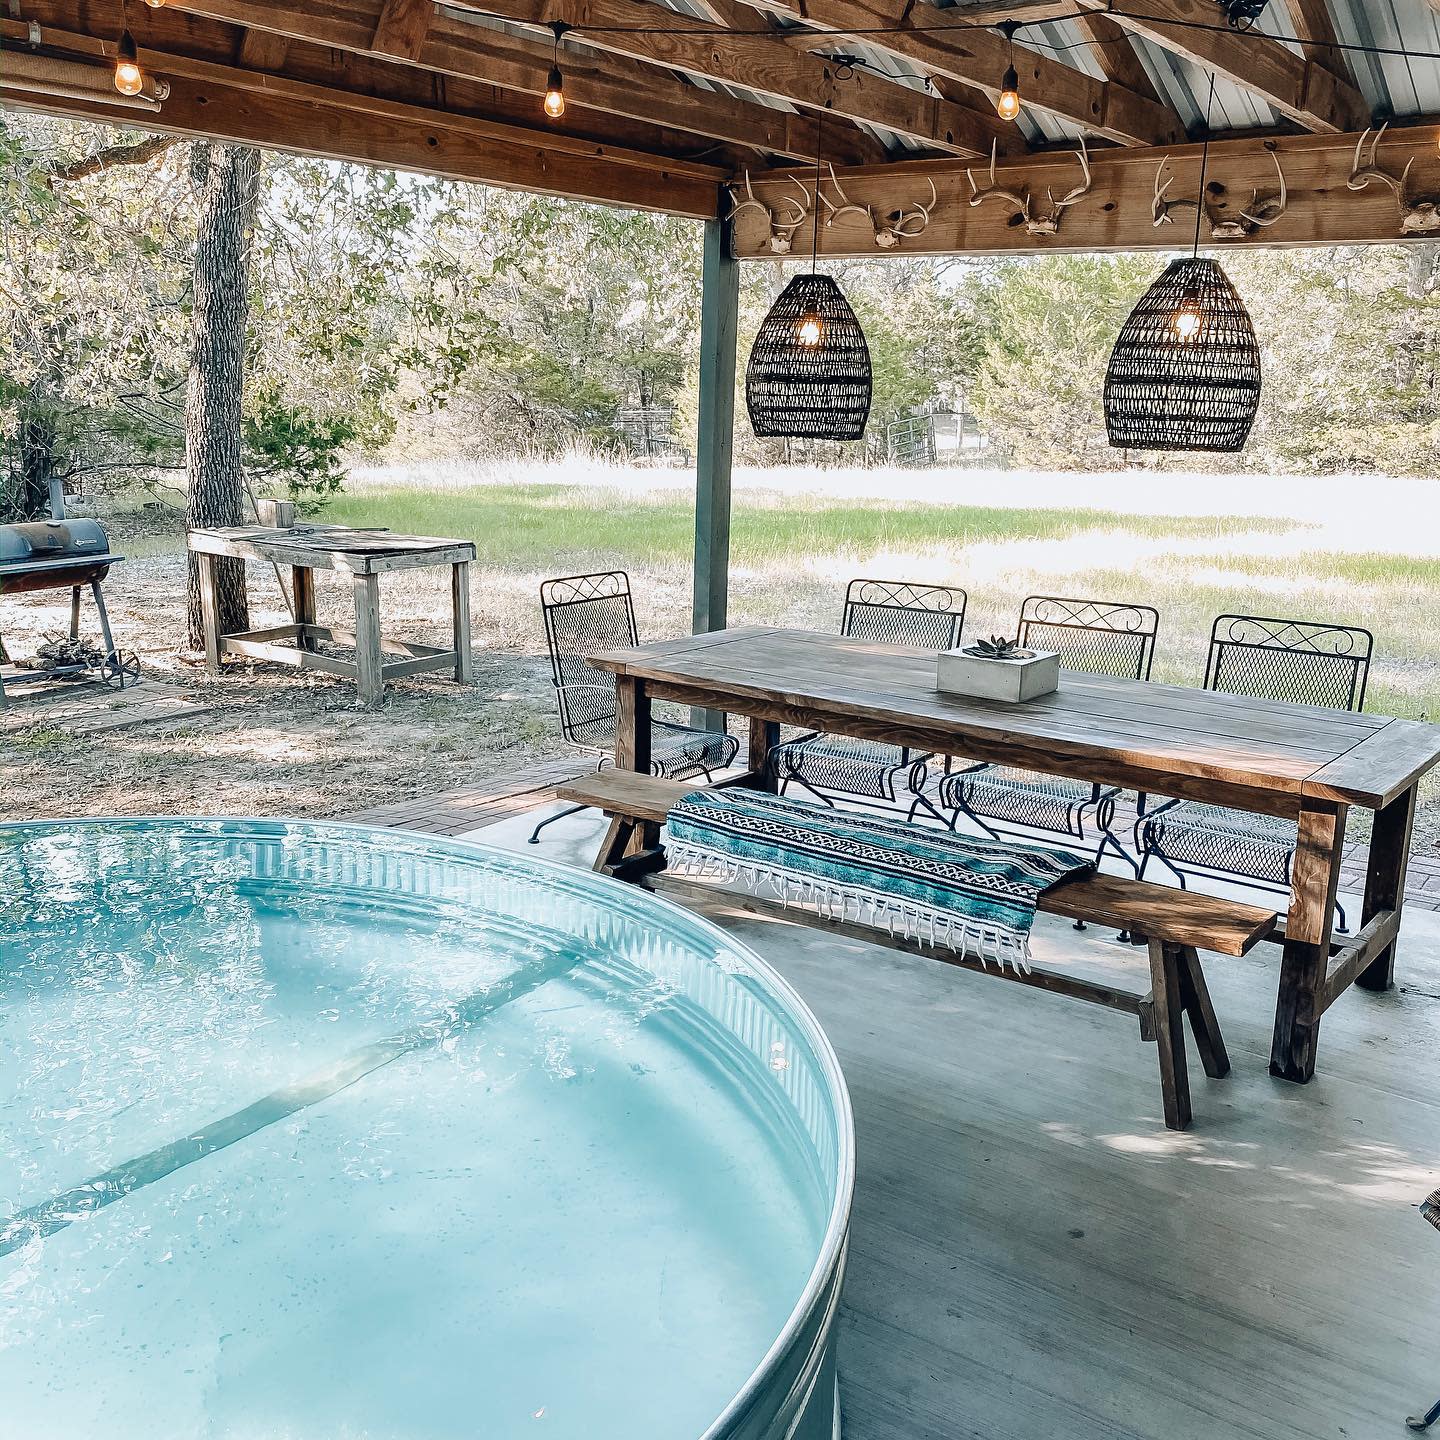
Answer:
(1303, 661)
(928, 617)
(585, 614)
(1101, 637)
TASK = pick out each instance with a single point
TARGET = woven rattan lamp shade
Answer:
(809, 371)
(1167, 391)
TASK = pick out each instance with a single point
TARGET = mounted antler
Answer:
(1045, 226)
(782, 230)
(1017, 201)
(1274, 206)
(1224, 225)
(889, 229)
(1417, 216)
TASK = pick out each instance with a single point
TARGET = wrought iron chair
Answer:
(587, 613)
(1101, 637)
(1303, 661)
(894, 612)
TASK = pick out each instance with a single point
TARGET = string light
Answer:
(1008, 104)
(555, 81)
(129, 77)
(155, 4)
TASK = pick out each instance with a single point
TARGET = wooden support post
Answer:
(368, 660)
(209, 612)
(460, 609)
(1315, 877)
(764, 737)
(719, 313)
(302, 587)
(1385, 880)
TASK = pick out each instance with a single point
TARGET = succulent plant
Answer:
(997, 647)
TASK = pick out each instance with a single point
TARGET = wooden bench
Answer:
(1177, 924)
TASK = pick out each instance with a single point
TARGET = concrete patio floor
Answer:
(1034, 1255)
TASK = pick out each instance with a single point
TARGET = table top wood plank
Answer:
(1139, 727)
(331, 547)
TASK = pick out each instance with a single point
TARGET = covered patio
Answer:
(1038, 1245)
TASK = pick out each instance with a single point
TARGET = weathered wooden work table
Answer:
(1304, 762)
(364, 555)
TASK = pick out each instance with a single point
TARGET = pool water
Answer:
(312, 1132)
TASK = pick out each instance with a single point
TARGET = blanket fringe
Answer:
(922, 924)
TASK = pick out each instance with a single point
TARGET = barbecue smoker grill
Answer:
(58, 555)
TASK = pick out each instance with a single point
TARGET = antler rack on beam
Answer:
(1280, 190)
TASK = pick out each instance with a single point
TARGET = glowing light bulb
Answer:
(1008, 105)
(809, 332)
(1188, 321)
(129, 78)
(154, 4)
(555, 94)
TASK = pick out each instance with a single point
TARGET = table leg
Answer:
(368, 660)
(764, 737)
(632, 749)
(460, 611)
(1315, 879)
(302, 589)
(1385, 879)
(632, 725)
(209, 613)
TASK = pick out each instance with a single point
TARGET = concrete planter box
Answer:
(988, 679)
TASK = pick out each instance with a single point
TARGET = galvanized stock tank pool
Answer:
(313, 1132)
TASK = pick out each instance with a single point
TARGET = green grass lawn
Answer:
(529, 526)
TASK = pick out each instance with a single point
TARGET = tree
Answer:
(228, 180)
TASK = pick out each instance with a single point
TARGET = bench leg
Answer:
(617, 840)
(1170, 1032)
(1195, 995)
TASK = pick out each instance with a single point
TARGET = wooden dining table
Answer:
(1306, 763)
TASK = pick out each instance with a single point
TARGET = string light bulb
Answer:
(155, 4)
(129, 77)
(1007, 105)
(555, 81)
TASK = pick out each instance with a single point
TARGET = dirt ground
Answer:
(278, 742)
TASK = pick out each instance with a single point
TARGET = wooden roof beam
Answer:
(1300, 88)
(219, 112)
(455, 48)
(949, 43)
(1116, 214)
(761, 62)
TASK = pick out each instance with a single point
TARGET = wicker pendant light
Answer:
(1185, 372)
(809, 371)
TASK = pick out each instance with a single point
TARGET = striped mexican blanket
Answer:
(975, 896)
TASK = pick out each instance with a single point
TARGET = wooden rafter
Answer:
(1300, 88)
(199, 50)
(454, 49)
(760, 62)
(1316, 30)
(1113, 50)
(949, 43)
(1117, 213)
(401, 29)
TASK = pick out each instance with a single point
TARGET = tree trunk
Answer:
(36, 441)
(228, 180)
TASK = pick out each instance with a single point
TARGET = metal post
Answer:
(719, 311)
